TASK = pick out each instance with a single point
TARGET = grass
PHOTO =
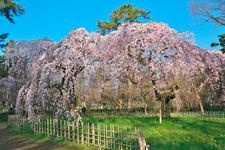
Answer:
(186, 133)
(15, 137)
(176, 133)
(46, 141)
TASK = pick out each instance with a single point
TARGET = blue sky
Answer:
(54, 19)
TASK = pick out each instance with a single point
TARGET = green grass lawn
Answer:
(178, 133)
(187, 133)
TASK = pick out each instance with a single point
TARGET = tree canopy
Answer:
(121, 69)
(3, 71)
(126, 13)
(221, 43)
(9, 9)
(211, 11)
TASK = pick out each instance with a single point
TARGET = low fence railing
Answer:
(100, 135)
(207, 114)
(120, 112)
(108, 113)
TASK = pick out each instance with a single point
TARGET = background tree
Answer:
(3, 71)
(211, 11)
(221, 43)
(114, 70)
(9, 9)
(126, 13)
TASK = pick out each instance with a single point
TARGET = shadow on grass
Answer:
(14, 139)
(4, 116)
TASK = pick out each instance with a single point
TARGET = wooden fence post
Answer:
(68, 129)
(47, 127)
(64, 129)
(142, 142)
(98, 130)
(101, 135)
(61, 128)
(73, 130)
(78, 133)
(93, 133)
(8, 119)
(88, 132)
(104, 136)
(82, 133)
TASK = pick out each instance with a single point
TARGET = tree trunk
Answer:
(160, 112)
(145, 105)
(200, 103)
(129, 94)
(201, 107)
(166, 111)
(145, 109)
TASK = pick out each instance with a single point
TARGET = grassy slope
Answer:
(176, 133)
(43, 142)
(14, 137)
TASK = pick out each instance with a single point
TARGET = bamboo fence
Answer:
(207, 114)
(100, 135)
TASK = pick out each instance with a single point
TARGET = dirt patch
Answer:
(2, 126)
(10, 141)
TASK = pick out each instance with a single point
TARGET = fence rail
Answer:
(108, 113)
(207, 114)
(120, 112)
(100, 135)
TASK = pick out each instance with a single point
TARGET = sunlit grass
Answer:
(176, 133)
(181, 133)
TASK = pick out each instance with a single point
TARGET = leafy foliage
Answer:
(9, 9)
(125, 14)
(221, 43)
(3, 71)
(211, 11)
(2, 39)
